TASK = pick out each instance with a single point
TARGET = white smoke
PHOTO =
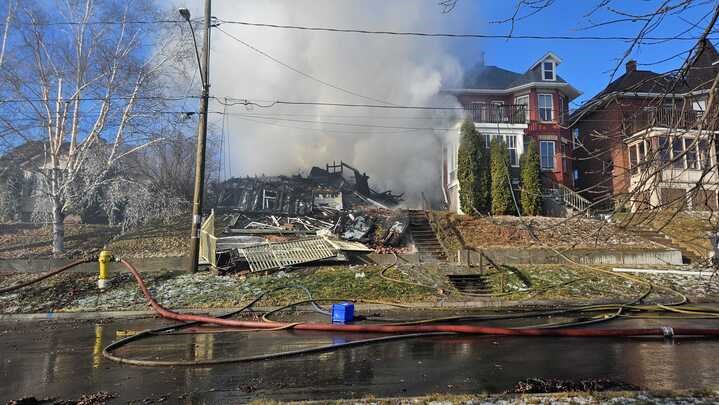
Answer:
(400, 70)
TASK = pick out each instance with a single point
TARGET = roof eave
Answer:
(572, 92)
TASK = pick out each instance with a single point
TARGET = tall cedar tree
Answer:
(501, 193)
(473, 171)
(484, 178)
(531, 190)
(467, 166)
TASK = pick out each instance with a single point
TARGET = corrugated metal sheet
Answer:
(282, 254)
(208, 241)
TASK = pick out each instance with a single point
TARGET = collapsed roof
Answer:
(332, 187)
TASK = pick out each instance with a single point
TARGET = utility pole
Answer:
(201, 144)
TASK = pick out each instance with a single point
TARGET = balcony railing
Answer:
(667, 117)
(497, 114)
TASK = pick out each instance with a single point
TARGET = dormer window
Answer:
(548, 70)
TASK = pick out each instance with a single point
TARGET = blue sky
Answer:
(586, 64)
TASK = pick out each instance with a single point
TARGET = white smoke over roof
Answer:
(291, 139)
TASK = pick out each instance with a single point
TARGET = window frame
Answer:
(551, 107)
(526, 105)
(575, 137)
(512, 162)
(553, 70)
(633, 161)
(542, 157)
(677, 164)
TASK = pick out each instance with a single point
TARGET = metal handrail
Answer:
(570, 197)
(497, 114)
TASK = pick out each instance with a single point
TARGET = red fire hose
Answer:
(407, 329)
(44, 276)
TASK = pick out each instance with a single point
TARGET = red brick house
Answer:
(517, 107)
(637, 143)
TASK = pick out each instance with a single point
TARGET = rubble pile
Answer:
(335, 203)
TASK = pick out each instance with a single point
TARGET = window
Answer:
(548, 70)
(704, 157)
(487, 140)
(546, 154)
(663, 150)
(498, 111)
(607, 167)
(633, 159)
(524, 102)
(699, 105)
(452, 161)
(545, 107)
(641, 151)
(677, 150)
(478, 111)
(511, 141)
(576, 174)
(575, 137)
(692, 159)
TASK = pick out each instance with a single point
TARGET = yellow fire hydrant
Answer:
(104, 260)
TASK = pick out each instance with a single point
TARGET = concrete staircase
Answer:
(424, 237)
(471, 283)
(568, 202)
(646, 232)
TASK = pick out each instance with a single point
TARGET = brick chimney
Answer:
(631, 66)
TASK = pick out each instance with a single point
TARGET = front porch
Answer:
(673, 167)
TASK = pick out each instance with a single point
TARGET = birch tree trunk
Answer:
(58, 227)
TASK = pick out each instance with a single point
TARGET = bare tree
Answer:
(6, 29)
(97, 81)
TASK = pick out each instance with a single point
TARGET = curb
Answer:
(493, 305)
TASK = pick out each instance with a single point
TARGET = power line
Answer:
(347, 124)
(109, 22)
(270, 104)
(307, 75)
(81, 99)
(382, 32)
(456, 35)
(326, 131)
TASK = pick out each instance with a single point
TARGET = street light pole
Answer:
(201, 140)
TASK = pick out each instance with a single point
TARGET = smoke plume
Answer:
(394, 146)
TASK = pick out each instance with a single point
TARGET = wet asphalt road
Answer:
(64, 360)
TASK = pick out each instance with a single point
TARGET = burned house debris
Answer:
(279, 221)
(332, 187)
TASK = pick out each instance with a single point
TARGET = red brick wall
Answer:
(536, 128)
(602, 134)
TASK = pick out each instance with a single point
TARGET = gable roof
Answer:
(548, 55)
(495, 79)
(639, 81)
(699, 76)
(703, 67)
(489, 77)
(533, 76)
